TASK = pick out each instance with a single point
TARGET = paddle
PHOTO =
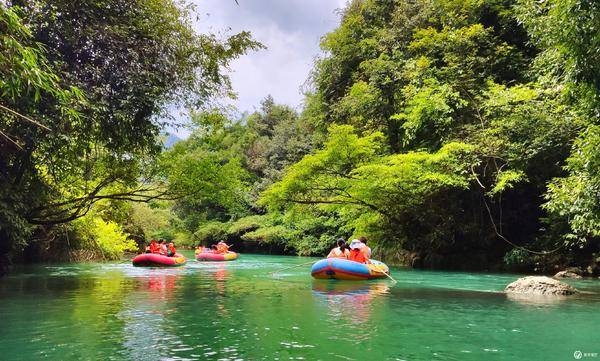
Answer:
(294, 266)
(385, 273)
(390, 277)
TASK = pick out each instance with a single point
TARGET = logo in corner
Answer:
(578, 355)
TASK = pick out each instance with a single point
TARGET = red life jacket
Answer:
(154, 248)
(171, 249)
(357, 255)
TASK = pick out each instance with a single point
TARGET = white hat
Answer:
(356, 244)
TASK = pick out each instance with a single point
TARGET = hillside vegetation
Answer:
(452, 134)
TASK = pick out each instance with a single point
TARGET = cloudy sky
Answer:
(290, 29)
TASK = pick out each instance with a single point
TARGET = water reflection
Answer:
(350, 302)
(159, 285)
(147, 312)
(347, 288)
(536, 300)
(220, 276)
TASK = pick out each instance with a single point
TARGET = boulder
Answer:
(539, 285)
(566, 274)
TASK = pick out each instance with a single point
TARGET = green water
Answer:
(238, 311)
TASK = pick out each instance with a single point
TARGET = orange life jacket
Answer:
(357, 255)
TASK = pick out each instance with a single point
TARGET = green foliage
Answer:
(576, 197)
(516, 257)
(567, 31)
(25, 72)
(412, 70)
(83, 87)
(301, 230)
(212, 232)
(148, 220)
(507, 180)
(246, 224)
(468, 123)
(370, 191)
(270, 234)
(184, 239)
(29, 88)
(429, 114)
(106, 237)
(225, 163)
(205, 177)
(432, 127)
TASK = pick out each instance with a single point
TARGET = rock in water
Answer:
(540, 285)
(566, 274)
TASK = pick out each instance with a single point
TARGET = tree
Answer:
(219, 171)
(439, 81)
(568, 30)
(89, 81)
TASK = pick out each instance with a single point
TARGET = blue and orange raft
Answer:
(342, 269)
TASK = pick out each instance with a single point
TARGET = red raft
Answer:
(214, 256)
(158, 260)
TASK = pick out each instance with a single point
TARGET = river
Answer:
(238, 311)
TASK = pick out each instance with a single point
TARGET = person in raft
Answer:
(222, 247)
(153, 247)
(200, 248)
(341, 251)
(171, 249)
(367, 249)
(358, 252)
(162, 247)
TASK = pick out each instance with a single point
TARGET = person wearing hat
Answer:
(341, 251)
(222, 247)
(357, 254)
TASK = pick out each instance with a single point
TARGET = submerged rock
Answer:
(566, 274)
(536, 300)
(540, 285)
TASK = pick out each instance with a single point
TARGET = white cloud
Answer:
(291, 31)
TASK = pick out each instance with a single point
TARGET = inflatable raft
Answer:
(214, 256)
(158, 260)
(343, 269)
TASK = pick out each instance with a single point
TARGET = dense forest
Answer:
(452, 134)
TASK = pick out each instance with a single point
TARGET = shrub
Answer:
(105, 237)
(212, 232)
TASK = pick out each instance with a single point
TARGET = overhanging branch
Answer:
(67, 211)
